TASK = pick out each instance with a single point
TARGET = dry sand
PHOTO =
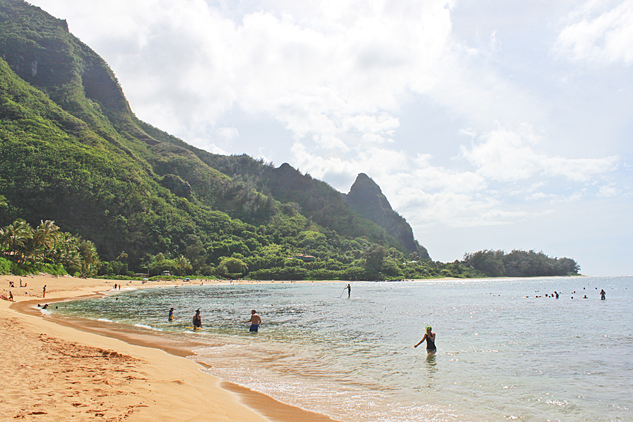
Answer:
(55, 372)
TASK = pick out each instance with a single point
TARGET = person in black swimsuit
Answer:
(430, 341)
(197, 320)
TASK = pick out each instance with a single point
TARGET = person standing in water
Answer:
(430, 341)
(197, 320)
(255, 320)
(171, 314)
(603, 294)
(349, 290)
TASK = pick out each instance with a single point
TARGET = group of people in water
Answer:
(429, 336)
(255, 320)
(603, 294)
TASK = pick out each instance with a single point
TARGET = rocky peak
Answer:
(366, 198)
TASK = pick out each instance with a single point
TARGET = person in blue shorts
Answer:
(255, 321)
(430, 341)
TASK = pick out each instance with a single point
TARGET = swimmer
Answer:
(430, 341)
(197, 320)
(255, 321)
(603, 294)
(171, 314)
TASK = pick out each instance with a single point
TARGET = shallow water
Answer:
(503, 352)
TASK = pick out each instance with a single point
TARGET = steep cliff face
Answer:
(74, 152)
(366, 198)
(39, 48)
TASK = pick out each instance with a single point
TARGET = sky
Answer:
(488, 124)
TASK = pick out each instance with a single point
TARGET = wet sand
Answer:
(57, 369)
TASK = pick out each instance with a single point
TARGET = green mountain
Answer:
(366, 198)
(72, 151)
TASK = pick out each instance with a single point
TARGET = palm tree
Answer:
(182, 265)
(15, 238)
(45, 237)
(66, 252)
(88, 255)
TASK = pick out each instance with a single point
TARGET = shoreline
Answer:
(200, 396)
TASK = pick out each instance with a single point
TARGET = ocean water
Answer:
(505, 351)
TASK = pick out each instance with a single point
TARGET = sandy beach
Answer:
(56, 371)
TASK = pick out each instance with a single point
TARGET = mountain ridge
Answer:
(74, 151)
(366, 198)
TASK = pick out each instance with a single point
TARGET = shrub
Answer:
(5, 266)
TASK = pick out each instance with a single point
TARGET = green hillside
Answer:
(73, 152)
(81, 175)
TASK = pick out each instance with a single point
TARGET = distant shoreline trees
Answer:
(519, 264)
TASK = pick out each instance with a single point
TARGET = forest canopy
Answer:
(266, 255)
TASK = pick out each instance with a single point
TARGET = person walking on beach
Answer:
(430, 341)
(171, 314)
(255, 320)
(44, 291)
(603, 294)
(349, 290)
(197, 320)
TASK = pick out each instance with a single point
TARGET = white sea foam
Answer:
(148, 327)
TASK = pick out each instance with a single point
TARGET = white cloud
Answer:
(608, 191)
(599, 34)
(505, 155)
(431, 195)
(228, 133)
(324, 70)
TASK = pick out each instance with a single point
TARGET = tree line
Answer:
(45, 248)
(520, 264)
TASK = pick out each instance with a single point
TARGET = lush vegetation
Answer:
(73, 152)
(520, 264)
(46, 248)
(26, 250)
